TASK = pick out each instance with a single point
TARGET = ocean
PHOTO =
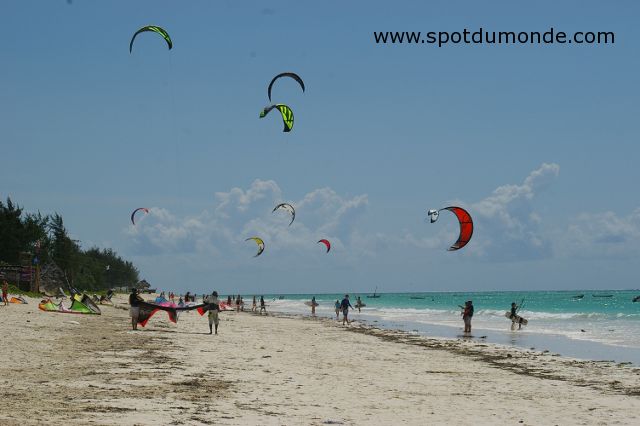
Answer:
(585, 324)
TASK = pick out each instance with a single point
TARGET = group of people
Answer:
(467, 314)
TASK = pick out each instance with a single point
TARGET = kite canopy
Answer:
(326, 243)
(155, 29)
(260, 244)
(292, 75)
(288, 207)
(466, 225)
(287, 115)
(144, 209)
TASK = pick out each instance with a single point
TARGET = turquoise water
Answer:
(553, 315)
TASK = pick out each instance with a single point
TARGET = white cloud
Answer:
(506, 222)
(601, 234)
(242, 213)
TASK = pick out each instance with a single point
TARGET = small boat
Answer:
(374, 296)
(636, 299)
(416, 297)
(579, 296)
(602, 295)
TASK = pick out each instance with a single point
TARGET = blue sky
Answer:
(539, 142)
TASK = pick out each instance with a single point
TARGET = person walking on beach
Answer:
(337, 306)
(214, 310)
(5, 292)
(254, 306)
(262, 306)
(467, 314)
(238, 303)
(344, 306)
(134, 310)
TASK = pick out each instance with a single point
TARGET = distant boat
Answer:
(374, 296)
(416, 297)
(579, 296)
(602, 295)
(636, 299)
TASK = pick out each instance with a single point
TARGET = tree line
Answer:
(44, 239)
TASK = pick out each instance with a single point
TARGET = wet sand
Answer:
(77, 369)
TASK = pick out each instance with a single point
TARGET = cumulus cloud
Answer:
(241, 213)
(507, 223)
(601, 234)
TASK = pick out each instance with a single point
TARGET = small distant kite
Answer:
(155, 29)
(326, 243)
(260, 244)
(287, 115)
(466, 225)
(292, 75)
(288, 207)
(144, 209)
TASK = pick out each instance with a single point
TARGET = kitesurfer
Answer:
(214, 310)
(134, 310)
(467, 314)
(345, 305)
(514, 315)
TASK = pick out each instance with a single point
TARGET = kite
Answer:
(260, 244)
(155, 29)
(288, 207)
(326, 243)
(466, 225)
(287, 115)
(144, 209)
(294, 76)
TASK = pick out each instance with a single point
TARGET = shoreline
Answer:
(283, 368)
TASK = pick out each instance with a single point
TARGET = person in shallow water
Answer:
(514, 315)
(467, 314)
(337, 306)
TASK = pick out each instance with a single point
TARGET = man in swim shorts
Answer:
(214, 310)
(134, 310)
(345, 305)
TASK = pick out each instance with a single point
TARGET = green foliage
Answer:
(94, 269)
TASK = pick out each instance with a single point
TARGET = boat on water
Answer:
(636, 299)
(579, 296)
(374, 295)
(416, 297)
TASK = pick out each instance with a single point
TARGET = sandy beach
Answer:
(277, 369)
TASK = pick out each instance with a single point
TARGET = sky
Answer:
(538, 142)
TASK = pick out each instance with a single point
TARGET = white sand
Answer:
(77, 369)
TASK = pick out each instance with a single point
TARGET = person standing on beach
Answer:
(262, 306)
(359, 304)
(214, 310)
(337, 306)
(134, 310)
(345, 305)
(313, 305)
(467, 314)
(254, 306)
(238, 303)
(5, 292)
